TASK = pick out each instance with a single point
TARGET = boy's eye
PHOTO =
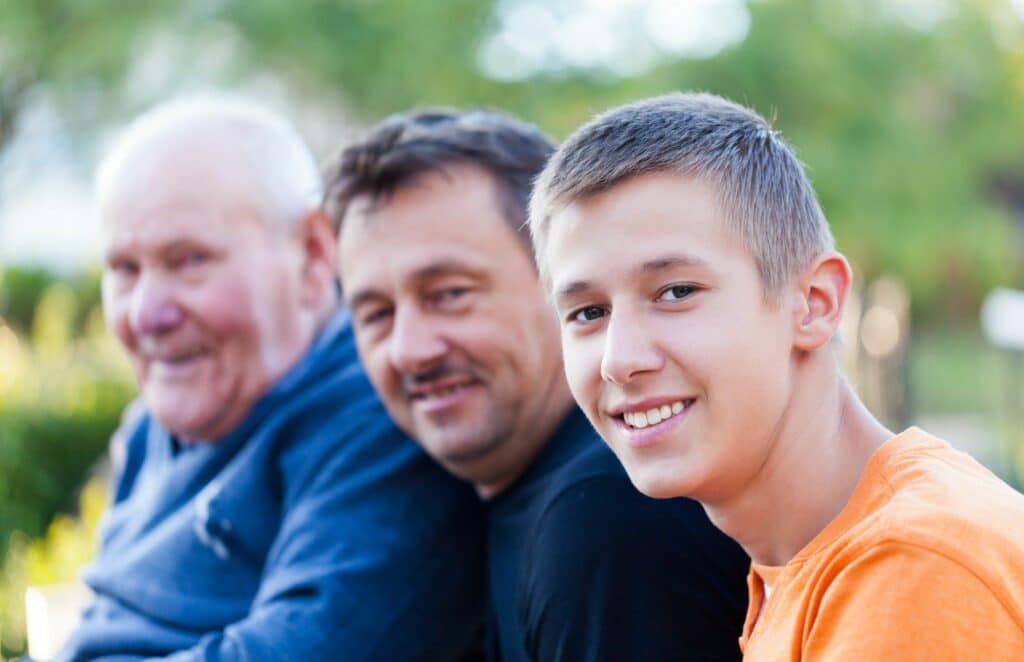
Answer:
(587, 314)
(677, 293)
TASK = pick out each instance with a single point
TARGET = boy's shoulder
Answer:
(926, 503)
(931, 494)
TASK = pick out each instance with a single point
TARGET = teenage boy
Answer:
(457, 336)
(698, 290)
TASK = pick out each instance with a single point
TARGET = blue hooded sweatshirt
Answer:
(314, 531)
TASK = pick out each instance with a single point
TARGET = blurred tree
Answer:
(79, 50)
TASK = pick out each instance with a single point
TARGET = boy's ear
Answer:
(823, 287)
(316, 235)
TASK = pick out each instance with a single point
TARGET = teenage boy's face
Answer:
(670, 345)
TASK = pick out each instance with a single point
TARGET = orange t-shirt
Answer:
(925, 562)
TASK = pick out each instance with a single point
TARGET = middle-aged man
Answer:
(267, 509)
(452, 324)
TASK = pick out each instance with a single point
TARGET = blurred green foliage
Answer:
(63, 384)
(56, 558)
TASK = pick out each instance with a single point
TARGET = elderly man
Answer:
(456, 334)
(266, 509)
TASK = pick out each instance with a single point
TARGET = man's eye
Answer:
(450, 293)
(124, 268)
(374, 316)
(196, 258)
(587, 314)
(450, 299)
(677, 293)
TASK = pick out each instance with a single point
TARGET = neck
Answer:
(816, 458)
(533, 432)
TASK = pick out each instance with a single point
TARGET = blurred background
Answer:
(909, 115)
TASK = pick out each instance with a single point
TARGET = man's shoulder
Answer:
(326, 401)
(601, 554)
(592, 508)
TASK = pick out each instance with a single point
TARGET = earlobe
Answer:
(823, 289)
(318, 248)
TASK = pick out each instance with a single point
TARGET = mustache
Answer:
(437, 372)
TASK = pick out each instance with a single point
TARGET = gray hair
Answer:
(762, 186)
(283, 167)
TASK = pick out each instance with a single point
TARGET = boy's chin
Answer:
(656, 482)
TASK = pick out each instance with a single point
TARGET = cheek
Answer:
(230, 310)
(378, 368)
(582, 360)
(116, 314)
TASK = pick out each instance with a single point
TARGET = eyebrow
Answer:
(657, 264)
(446, 266)
(169, 246)
(575, 287)
(441, 267)
(672, 260)
(364, 296)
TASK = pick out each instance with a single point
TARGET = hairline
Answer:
(284, 189)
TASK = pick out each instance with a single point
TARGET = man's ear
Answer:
(823, 287)
(316, 237)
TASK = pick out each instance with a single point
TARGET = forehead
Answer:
(169, 198)
(450, 216)
(642, 219)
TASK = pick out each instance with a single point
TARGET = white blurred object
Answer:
(51, 614)
(1002, 318)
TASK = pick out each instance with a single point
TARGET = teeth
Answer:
(441, 393)
(642, 419)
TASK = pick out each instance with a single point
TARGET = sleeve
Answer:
(379, 557)
(615, 575)
(905, 602)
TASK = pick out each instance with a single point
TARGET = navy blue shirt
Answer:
(314, 531)
(583, 567)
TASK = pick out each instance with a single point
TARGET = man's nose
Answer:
(154, 309)
(628, 351)
(415, 343)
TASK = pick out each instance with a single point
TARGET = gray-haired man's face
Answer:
(201, 290)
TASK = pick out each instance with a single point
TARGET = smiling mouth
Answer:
(429, 393)
(174, 364)
(178, 359)
(642, 419)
